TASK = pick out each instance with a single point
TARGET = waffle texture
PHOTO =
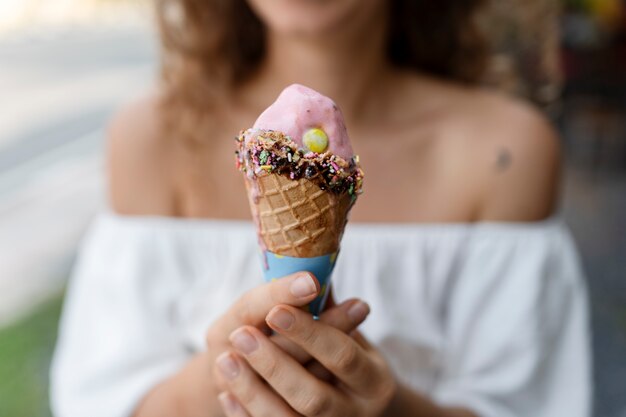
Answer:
(297, 218)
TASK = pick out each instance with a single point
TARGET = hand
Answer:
(364, 386)
(193, 390)
(252, 308)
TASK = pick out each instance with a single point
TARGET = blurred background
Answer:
(65, 65)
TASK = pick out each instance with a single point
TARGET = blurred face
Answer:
(313, 17)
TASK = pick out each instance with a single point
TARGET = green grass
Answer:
(25, 351)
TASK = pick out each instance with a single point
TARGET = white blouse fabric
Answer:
(490, 316)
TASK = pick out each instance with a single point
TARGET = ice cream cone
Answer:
(302, 180)
(300, 227)
(295, 217)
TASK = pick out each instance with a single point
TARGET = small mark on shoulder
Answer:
(504, 160)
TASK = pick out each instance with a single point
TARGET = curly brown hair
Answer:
(211, 45)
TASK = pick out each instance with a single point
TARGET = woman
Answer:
(475, 300)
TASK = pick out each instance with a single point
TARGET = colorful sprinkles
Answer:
(271, 151)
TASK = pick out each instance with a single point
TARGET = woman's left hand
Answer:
(364, 383)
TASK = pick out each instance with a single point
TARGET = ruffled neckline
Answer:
(185, 224)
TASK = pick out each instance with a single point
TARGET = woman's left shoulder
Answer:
(516, 152)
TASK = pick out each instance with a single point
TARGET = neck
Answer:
(346, 65)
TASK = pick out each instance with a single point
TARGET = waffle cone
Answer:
(295, 217)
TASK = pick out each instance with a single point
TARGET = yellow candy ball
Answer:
(315, 140)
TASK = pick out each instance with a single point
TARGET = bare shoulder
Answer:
(517, 159)
(138, 159)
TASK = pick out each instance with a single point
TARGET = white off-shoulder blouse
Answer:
(490, 316)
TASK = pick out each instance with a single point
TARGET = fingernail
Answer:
(358, 312)
(244, 341)
(227, 366)
(229, 404)
(303, 286)
(281, 318)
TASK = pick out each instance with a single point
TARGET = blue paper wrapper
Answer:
(278, 266)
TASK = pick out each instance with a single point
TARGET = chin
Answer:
(309, 17)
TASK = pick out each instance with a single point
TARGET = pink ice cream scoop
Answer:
(300, 113)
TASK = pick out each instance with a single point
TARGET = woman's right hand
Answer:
(193, 392)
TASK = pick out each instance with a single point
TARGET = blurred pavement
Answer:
(59, 86)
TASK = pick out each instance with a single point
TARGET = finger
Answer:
(302, 391)
(230, 405)
(250, 392)
(318, 371)
(343, 317)
(297, 290)
(335, 350)
(330, 301)
(361, 340)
